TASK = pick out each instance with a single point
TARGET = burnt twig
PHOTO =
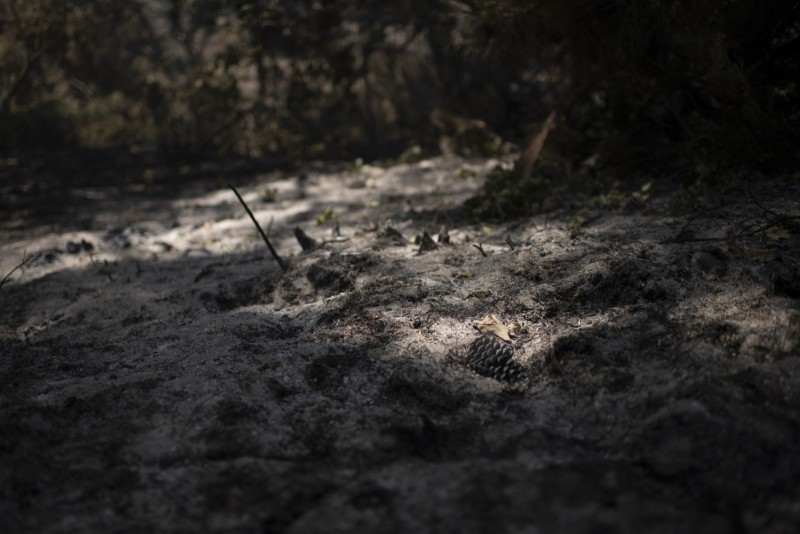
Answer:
(258, 227)
(25, 259)
(426, 243)
(306, 241)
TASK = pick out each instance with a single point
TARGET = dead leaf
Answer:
(494, 326)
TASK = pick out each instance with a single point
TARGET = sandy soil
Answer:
(161, 373)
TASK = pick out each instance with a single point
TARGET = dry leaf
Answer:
(494, 326)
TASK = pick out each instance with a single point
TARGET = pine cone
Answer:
(488, 356)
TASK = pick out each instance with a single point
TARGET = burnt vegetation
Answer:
(689, 93)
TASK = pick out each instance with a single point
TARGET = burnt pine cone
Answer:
(488, 356)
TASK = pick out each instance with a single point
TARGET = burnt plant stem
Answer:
(258, 227)
(25, 259)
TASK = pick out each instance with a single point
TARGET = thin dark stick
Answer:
(480, 247)
(260, 231)
(21, 264)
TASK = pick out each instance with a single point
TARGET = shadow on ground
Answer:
(217, 393)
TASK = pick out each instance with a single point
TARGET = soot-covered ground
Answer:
(160, 372)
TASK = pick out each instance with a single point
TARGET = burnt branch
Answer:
(258, 227)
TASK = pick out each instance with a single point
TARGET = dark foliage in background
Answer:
(668, 79)
(206, 77)
(661, 86)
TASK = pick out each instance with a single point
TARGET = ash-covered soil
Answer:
(161, 373)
